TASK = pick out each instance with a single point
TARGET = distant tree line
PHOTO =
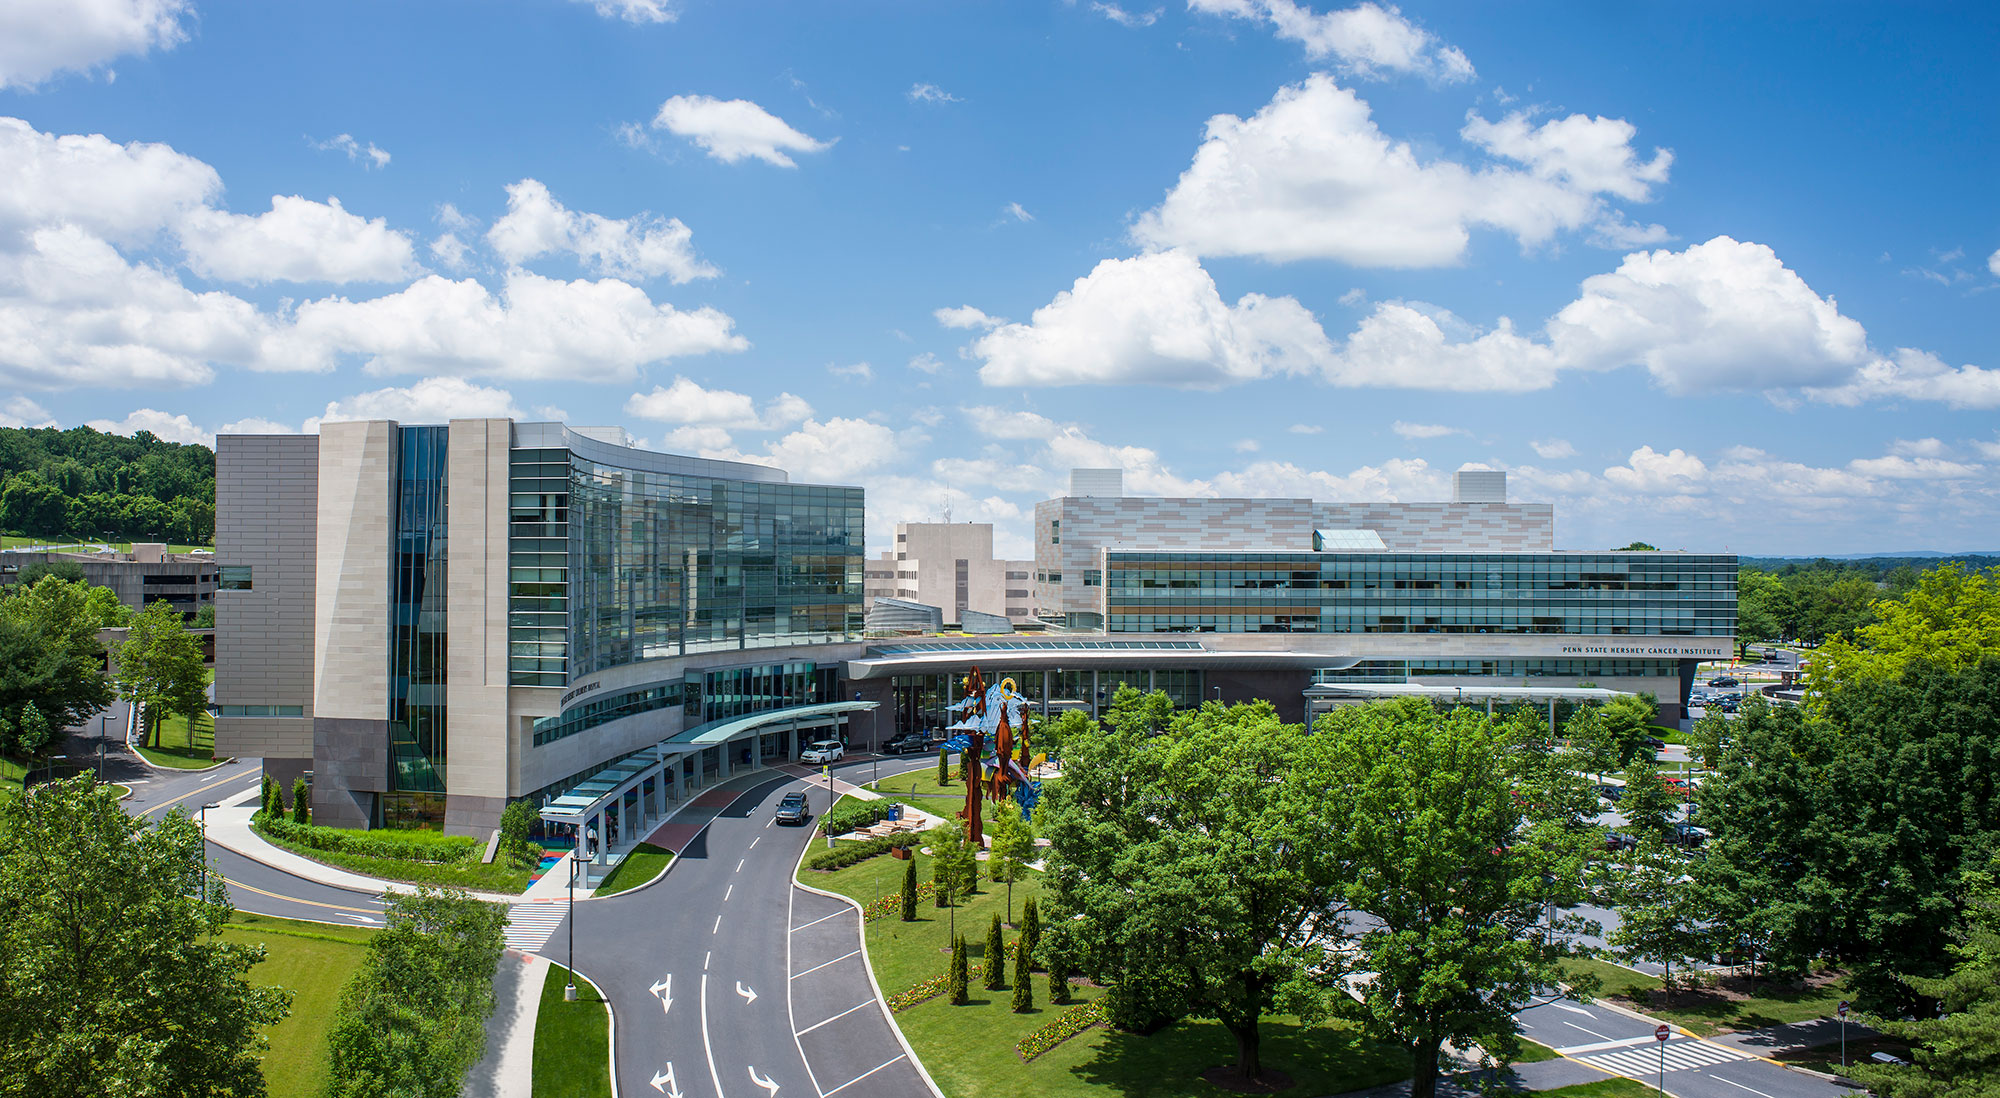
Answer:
(1812, 601)
(85, 483)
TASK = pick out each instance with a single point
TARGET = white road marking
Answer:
(835, 1018)
(765, 1083)
(749, 993)
(713, 1077)
(817, 921)
(769, 822)
(530, 926)
(863, 1075)
(1592, 1032)
(791, 1009)
(1573, 1009)
(717, 929)
(704, 959)
(835, 961)
(726, 892)
(1673, 1056)
(739, 864)
(1739, 1086)
(1606, 1046)
(755, 841)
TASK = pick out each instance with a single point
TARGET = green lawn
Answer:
(12, 774)
(315, 962)
(184, 744)
(644, 863)
(969, 1049)
(1729, 1004)
(572, 1041)
(1533, 1052)
(469, 872)
(1603, 1088)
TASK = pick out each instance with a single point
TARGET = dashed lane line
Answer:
(202, 789)
(836, 1018)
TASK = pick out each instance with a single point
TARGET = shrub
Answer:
(408, 846)
(848, 853)
(1031, 926)
(958, 973)
(909, 896)
(301, 801)
(1024, 988)
(515, 820)
(996, 956)
(1066, 1025)
(1057, 959)
(844, 818)
(413, 1020)
(944, 767)
(273, 806)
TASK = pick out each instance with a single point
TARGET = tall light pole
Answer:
(569, 990)
(204, 849)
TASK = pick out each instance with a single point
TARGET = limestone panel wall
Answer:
(352, 582)
(266, 518)
(476, 616)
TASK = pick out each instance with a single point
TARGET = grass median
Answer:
(572, 1040)
(315, 961)
(1720, 1003)
(970, 1049)
(644, 863)
(415, 857)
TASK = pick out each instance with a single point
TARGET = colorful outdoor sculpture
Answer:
(1001, 711)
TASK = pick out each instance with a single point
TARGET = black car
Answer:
(1654, 742)
(792, 809)
(1724, 681)
(1618, 840)
(1611, 792)
(1688, 835)
(906, 743)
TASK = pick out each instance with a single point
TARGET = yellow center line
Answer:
(203, 789)
(296, 900)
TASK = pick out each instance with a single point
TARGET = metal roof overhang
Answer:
(1084, 659)
(1376, 691)
(587, 796)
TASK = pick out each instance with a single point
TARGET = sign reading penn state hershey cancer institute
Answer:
(1720, 647)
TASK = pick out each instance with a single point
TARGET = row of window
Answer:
(258, 710)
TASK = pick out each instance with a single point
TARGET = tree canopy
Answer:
(112, 978)
(88, 483)
(51, 664)
(1957, 1053)
(1949, 618)
(160, 668)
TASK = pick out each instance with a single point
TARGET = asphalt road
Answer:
(1624, 1045)
(729, 982)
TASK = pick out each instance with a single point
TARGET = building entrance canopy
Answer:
(588, 798)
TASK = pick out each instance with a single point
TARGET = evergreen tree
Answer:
(964, 766)
(1058, 964)
(910, 889)
(270, 796)
(301, 806)
(1024, 992)
(996, 956)
(944, 767)
(959, 974)
(1031, 926)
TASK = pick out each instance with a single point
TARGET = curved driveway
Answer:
(728, 981)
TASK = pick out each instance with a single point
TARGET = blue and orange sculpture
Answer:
(1000, 711)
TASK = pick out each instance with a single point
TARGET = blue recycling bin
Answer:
(896, 811)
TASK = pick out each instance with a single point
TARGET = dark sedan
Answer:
(906, 743)
(792, 809)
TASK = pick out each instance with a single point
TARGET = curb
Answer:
(861, 932)
(390, 886)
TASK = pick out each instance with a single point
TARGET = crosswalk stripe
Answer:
(1679, 1055)
(530, 926)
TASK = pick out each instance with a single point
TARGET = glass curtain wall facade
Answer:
(919, 700)
(664, 564)
(1672, 594)
(417, 730)
(538, 567)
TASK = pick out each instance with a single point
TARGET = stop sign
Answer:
(1662, 1033)
(1843, 1008)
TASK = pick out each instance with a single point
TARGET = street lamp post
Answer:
(100, 744)
(204, 849)
(569, 990)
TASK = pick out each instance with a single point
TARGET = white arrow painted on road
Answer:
(672, 1089)
(749, 994)
(667, 1000)
(762, 1082)
(1573, 1009)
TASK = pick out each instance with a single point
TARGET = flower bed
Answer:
(1066, 1025)
(931, 989)
(892, 904)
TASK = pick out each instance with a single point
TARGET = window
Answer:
(1055, 531)
(259, 710)
(1093, 577)
(235, 577)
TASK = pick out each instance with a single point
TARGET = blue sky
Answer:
(1712, 276)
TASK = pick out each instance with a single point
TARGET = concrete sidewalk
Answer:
(507, 1070)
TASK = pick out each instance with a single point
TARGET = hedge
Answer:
(406, 846)
(844, 818)
(1066, 1025)
(846, 854)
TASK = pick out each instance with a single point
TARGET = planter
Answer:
(902, 852)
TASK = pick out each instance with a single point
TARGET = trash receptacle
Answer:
(895, 811)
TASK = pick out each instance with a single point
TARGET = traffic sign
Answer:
(1843, 1008)
(1662, 1033)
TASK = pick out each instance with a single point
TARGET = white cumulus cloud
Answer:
(931, 93)
(369, 156)
(1650, 471)
(966, 316)
(730, 130)
(634, 11)
(1155, 319)
(1310, 176)
(1553, 448)
(19, 411)
(431, 400)
(1367, 40)
(123, 193)
(40, 38)
(535, 328)
(167, 428)
(643, 246)
(689, 403)
(298, 240)
(1126, 18)
(1424, 430)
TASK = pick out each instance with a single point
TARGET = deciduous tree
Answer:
(159, 667)
(1659, 912)
(115, 981)
(1013, 846)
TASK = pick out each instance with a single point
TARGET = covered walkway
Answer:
(621, 804)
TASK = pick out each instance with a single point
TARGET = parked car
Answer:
(1687, 835)
(792, 809)
(1724, 680)
(822, 752)
(1611, 792)
(1618, 840)
(906, 743)
(1654, 742)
